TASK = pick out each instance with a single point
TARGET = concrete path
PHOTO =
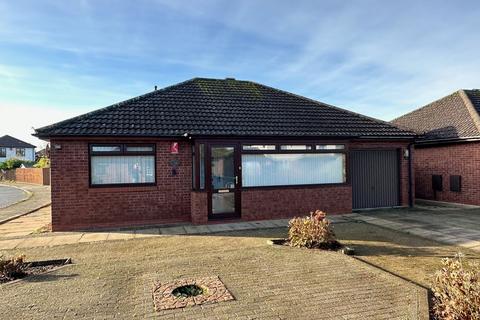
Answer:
(25, 232)
(445, 224)
(39, 197)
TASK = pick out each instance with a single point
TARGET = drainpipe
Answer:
(410, 176)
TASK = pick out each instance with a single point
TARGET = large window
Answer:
(278, 169)
(3, 152)
(122, 164)
(20, 152)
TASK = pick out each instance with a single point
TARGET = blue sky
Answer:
(381, 58)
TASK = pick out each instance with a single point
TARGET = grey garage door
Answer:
(374, 178)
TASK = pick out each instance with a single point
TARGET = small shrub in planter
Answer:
(456, 290)
(313, 231)
(12, 268)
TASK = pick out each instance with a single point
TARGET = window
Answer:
(202, 166)
(249, 147)
(330, 147)
(122, 164)
(20, 152)
(3, 152)
(437, 182)
(292, 169)
(295, 147)
(455, 183)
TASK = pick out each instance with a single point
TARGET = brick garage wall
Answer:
(454, 159)
(33, 175)
(77, 206)
(404, 179)
(288, 202)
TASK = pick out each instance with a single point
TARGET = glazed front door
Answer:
(224, 182)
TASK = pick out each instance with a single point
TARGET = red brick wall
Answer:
(273, 203)
(199, 207)
(364, 145)
(77, 206)
(455, 159)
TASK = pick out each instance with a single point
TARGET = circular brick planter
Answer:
(213, 291)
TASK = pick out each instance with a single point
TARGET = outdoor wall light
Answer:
(406, 154)
(57, 146)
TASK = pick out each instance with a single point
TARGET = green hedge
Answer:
(15, 163)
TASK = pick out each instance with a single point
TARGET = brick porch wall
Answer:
(77, 206)
(455, 159)
(288, 202)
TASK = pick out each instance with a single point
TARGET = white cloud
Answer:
(19, 120)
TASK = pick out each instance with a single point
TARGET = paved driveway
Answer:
(10, 195)
(113, 280)
(457, 226)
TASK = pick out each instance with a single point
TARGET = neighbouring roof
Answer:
(455, 116)
(214, 107)
(11, 142)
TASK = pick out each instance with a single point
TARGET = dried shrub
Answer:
(456, 290)
(12, 268)
(312, 231)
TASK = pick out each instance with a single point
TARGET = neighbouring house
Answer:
(43, 153)
(208, 149)
(11, 147)
(447, 152)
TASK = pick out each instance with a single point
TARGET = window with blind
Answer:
(122, 164)
(292, 169)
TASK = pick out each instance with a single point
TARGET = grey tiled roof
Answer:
(229, 107)
(455, 116)
(11, 142)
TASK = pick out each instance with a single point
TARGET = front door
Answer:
(224, 195)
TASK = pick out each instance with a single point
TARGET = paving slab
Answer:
(145, 233)
(35, 242)
(65, 239)
(452, 225)
(121, 235)
(93, 236)
(10, 244)
(173, 230)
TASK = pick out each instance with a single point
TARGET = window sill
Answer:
(122, 188)
(298, 186)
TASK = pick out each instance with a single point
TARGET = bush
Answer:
(43, 162)
(12, 268)
(456, 290)
(313, 231)
(15, 163)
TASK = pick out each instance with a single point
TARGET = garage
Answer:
(375, 178)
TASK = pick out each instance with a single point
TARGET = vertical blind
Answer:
(122, 169)
(292, 169)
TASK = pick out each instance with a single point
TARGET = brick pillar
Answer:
(199, 207)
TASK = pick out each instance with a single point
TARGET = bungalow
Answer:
(447, 152)
(209, 149)
(11, 148)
